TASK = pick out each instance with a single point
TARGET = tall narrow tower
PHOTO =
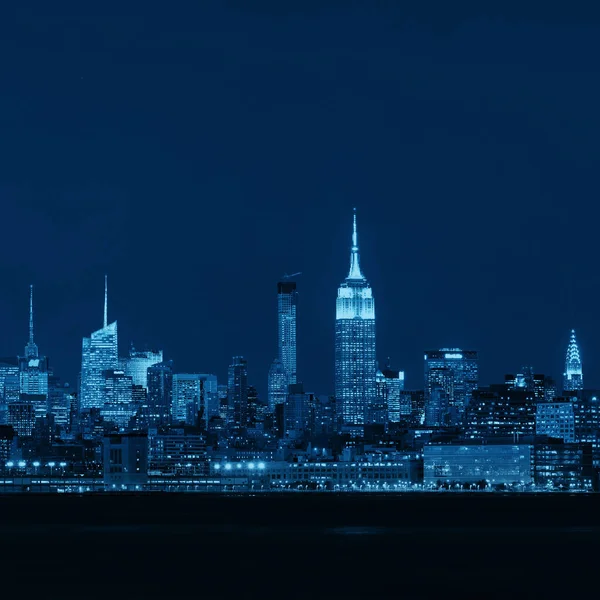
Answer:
(573, 376)
(31, 350)
(33, 368)
(237, 392)
(105, 300)
(99, 353)
(355, 362)
(287, 301)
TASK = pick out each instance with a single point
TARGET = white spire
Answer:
(105, 300)
(573, 376)
(355, 272)
(31, 314)
(31, 350)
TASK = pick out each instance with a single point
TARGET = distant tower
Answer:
(287, 300)
(99, 354)
(277, 385)
(194, 394)
(31, 350)
(33, 368)
(451, 377)
(573, 376)
(160, 393)
(237, 392)
(355, 363)
(136, 365)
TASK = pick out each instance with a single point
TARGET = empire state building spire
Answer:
(355, 272)
(355, 364)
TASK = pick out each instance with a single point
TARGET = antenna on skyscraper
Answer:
(286, 276)
(31, 350)
(31, 314)
(105, 300)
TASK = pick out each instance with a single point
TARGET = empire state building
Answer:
(355, 362)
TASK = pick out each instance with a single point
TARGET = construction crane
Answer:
(286, 276)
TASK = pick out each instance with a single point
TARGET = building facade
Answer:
(298, 412)
(556, 420)
(287, 302)
(160, 394)
(564, 466)
(125, 461)
(500, 411)
(454, 373)
(137, 363)
(277, 385)
(118, 406)
(194, 394)
(472, 463)
(237, 392)
(389, 405)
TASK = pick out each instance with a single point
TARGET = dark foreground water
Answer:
(446, 545)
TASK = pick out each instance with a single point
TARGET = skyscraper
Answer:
(287, 300)
(277, 385)
(451, 376)
(194, 393)
(355, 363)
(237, 392)
(500, 411)
(160, 393)
(298, 412)
(282, 372)
(136, 365)
(99, 354)
(573, 376)
(389, 406)
(9, 384)
(118, 404)
(33, 368)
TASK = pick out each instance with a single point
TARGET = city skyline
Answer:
(573, 362)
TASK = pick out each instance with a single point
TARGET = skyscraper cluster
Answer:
(135, 420)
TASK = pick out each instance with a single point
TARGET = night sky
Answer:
(197, 154)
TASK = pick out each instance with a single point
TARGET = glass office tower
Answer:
(277, 385)
(237, 392)
(451, 376)
(287, 301)
(136, 365)
(99, 354)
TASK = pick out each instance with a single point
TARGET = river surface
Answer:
(446, 545)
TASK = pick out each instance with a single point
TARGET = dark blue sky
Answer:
(197, 154)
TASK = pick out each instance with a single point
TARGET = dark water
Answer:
(302, 546)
